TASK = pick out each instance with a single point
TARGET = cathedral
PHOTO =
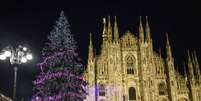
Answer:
(129, 69)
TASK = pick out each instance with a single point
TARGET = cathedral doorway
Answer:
(132, 93)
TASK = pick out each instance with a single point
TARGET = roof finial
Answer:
(148, 32)
(91, 52)
(196, 63)
(185, 74)
(104, 28)
(90, 35)
(141, 30)
(190, 65)
(168, 47)
(109, 29)
(116, 30)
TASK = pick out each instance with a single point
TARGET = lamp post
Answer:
(17, 56)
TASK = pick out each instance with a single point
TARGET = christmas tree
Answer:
(61, 77)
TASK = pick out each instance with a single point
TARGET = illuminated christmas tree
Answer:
(61, 77)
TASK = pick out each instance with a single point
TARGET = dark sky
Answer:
(31, 21)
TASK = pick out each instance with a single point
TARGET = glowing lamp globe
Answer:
(2, 57)
(24, 49)
(7, 53)
(29, 56)
(23, 60)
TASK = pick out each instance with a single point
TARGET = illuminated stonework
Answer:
(4, 98)
(128, 69)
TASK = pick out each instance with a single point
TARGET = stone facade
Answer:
(128, 69)
(4, 98)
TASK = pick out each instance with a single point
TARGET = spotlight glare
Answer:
(37, 97)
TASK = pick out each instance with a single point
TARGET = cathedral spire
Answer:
(160, 61)
(185, 74)
(196, 63)
(190, 65)
(104, 35)
(116, 30)
(169, 58)
(109, 29)
(168, 47)
(91, 53)
(90, 40)
(160, 52)
(141, 31)
(184, 65)
(147, 30)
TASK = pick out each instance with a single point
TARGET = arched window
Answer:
(101, 90)
(130, 65)
(132, 93)
(162, 88)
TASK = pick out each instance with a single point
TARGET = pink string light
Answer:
(56, 75)
(58, 97)
(55, 54)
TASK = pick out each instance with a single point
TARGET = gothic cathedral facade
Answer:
(128, 69)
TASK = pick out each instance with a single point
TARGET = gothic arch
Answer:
(128, 40)
(162, 88)
(130, 64)
(102, 90)
(132, 93)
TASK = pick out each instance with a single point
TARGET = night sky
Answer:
(30, 22)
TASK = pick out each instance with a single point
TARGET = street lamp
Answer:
(16, 55)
